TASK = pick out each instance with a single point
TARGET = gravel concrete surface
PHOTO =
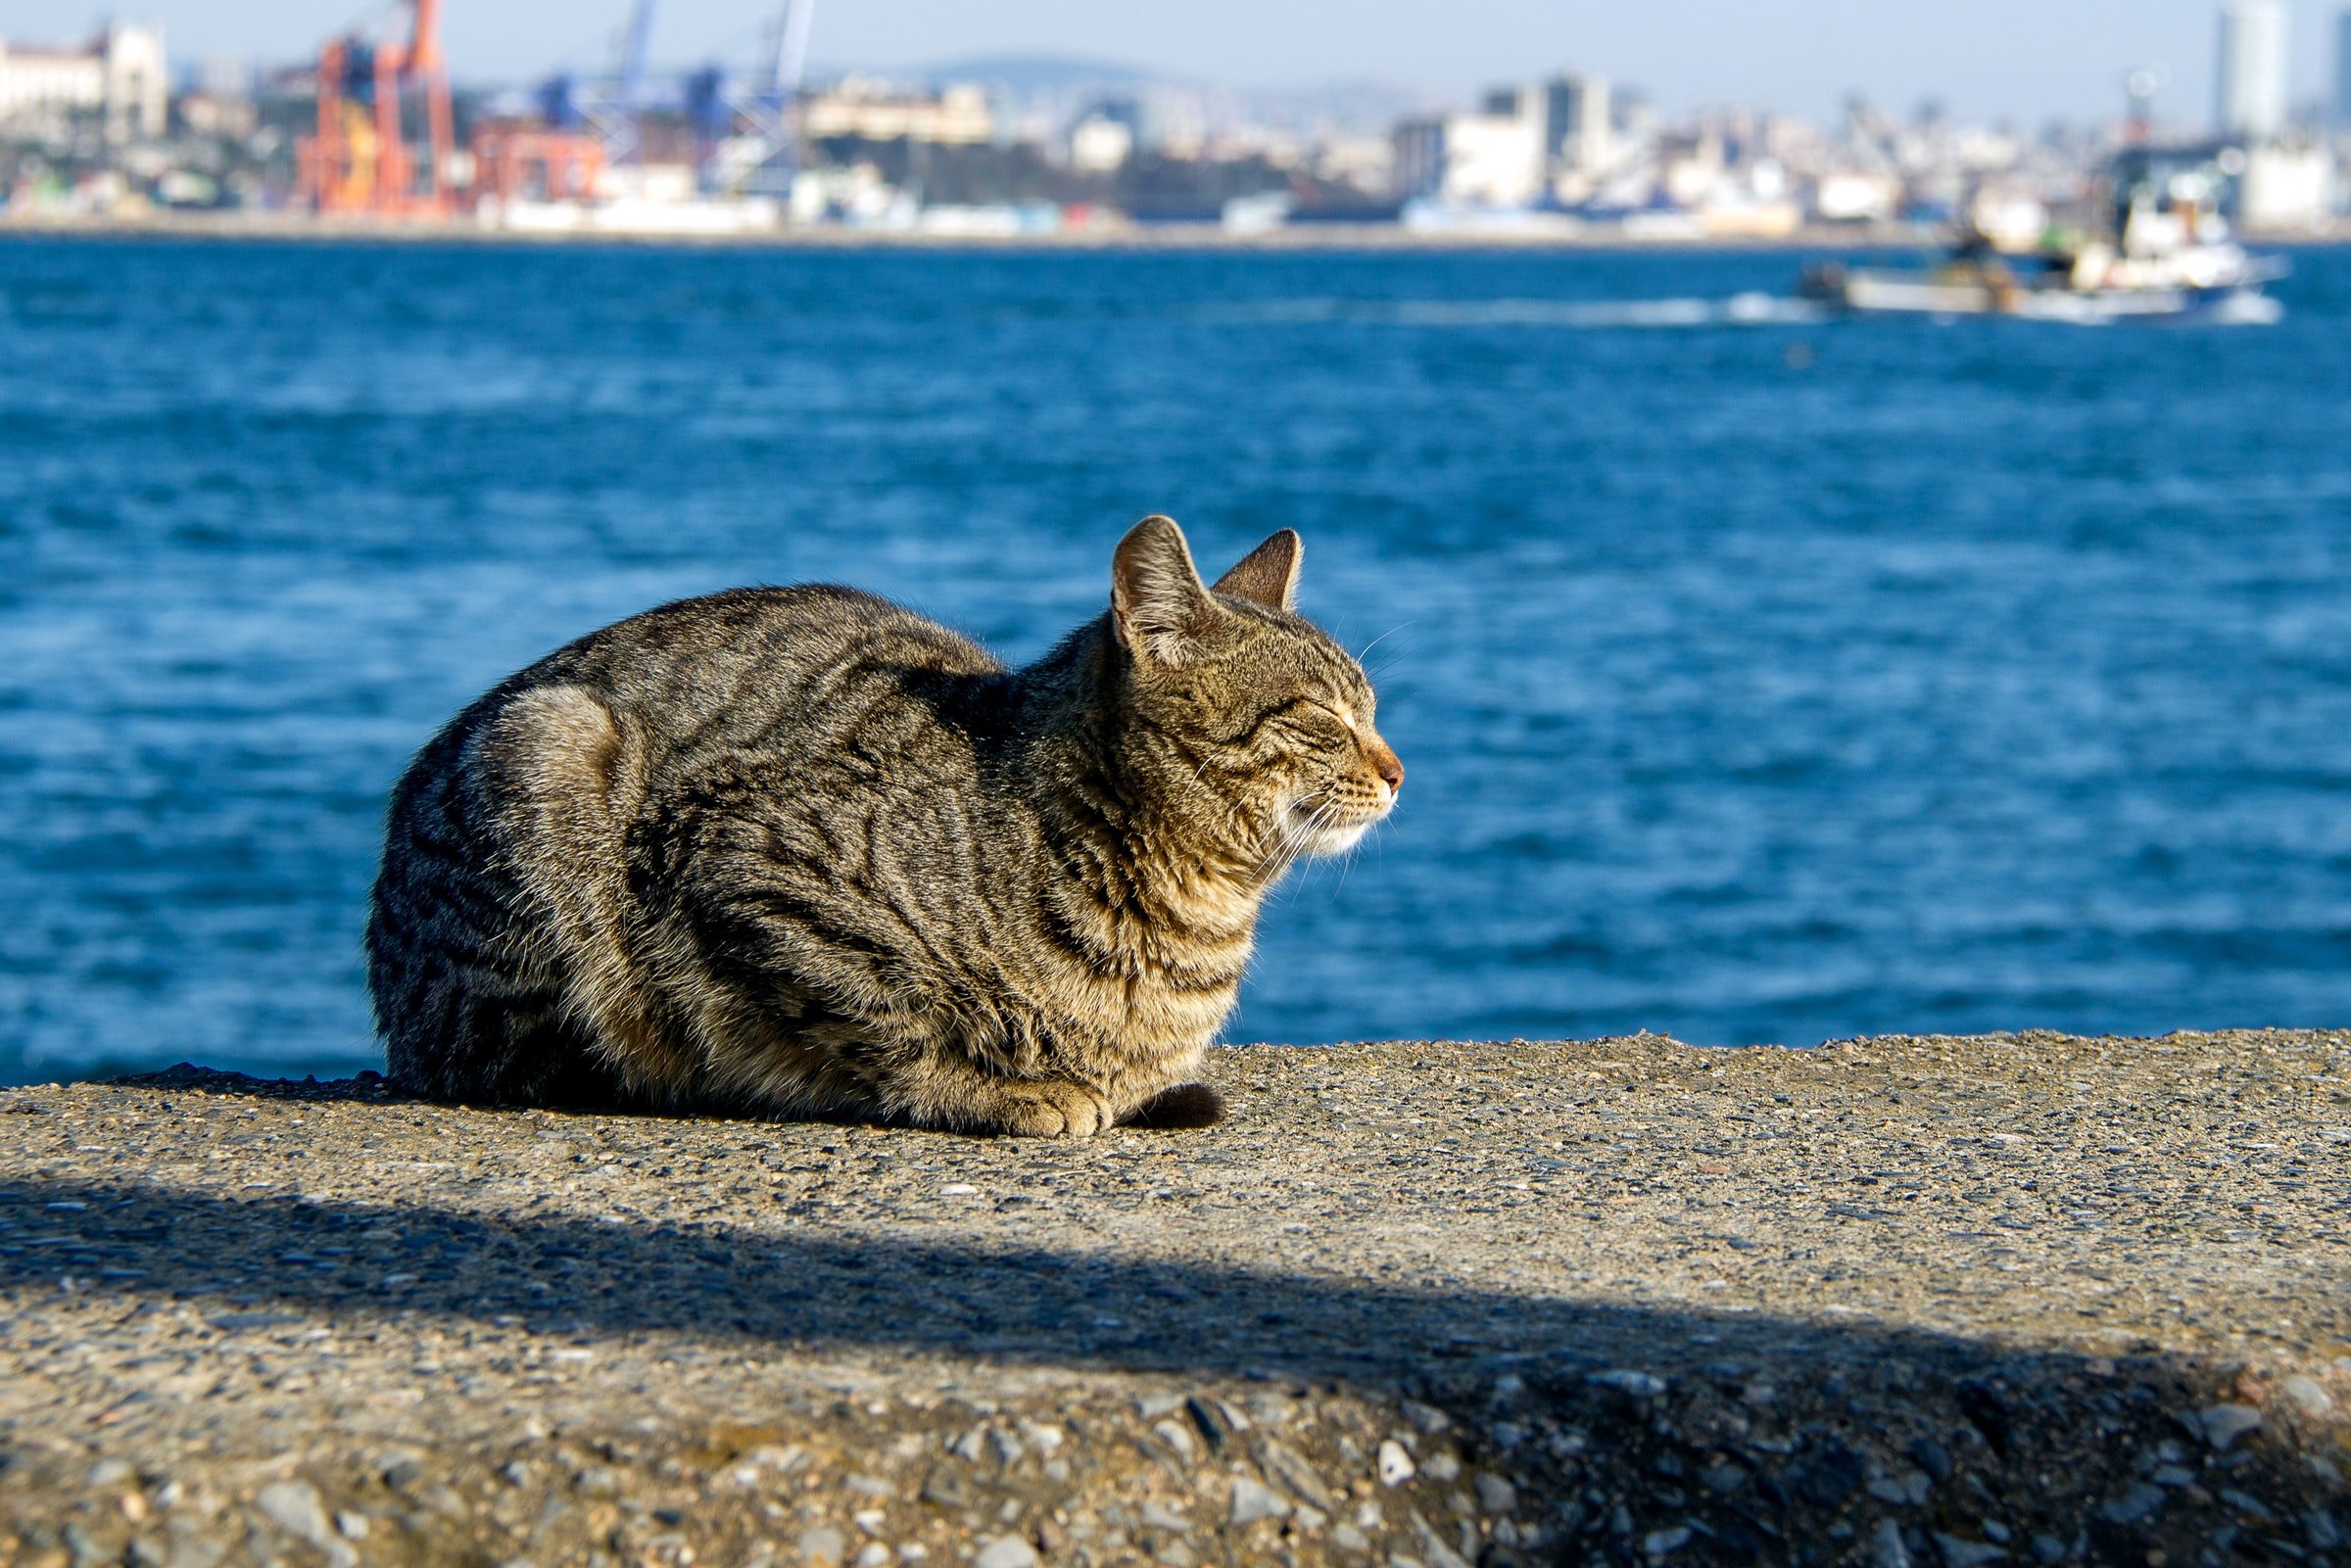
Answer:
(2010, 1300)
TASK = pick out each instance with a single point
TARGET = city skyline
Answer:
(2008, 59)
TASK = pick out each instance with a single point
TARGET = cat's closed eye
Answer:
(1321, 724)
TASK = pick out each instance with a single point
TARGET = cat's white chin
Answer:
(1328, 838)
(1337, 841)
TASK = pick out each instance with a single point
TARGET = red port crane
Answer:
(364, 157)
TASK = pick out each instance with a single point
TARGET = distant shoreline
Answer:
(1335, 237)
(1173, 237)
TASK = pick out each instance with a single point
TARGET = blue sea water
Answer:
(1760, 678)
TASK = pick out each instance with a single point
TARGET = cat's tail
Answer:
(1181, 1107)
(566, 775)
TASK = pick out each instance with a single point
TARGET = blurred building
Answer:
(1100, 144)
(2342, 68)
(2286, 189)
(1856, 196)
(2250, 100)
(120, 75)
(1510, 152)
(218, 101)
(863, 110)
(1578, 137)
(1491, 159)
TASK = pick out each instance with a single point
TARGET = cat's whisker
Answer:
(1299, 833)
(1319, 822)
(1296, 840)
(1346, 859)
(1382, 638)
(1278, 860)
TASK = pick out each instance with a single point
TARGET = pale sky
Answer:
(2025, 59)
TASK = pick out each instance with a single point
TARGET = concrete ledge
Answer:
(1894, 1301)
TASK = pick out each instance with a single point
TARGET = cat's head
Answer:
(1254, 726)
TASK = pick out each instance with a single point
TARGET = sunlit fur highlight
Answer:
(800, 851)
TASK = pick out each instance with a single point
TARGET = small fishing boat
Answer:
(2171, 257)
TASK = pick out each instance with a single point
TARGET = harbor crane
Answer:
(762, 155)
(608, 107)
(386, 141)
(583, 129)
(629, 83)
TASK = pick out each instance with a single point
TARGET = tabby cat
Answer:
(803, 852)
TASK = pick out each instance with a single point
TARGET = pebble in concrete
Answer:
(2306, 1396)
(2223, 1424)
(1006, 1552)
(1495, 1495)
(1640, 1385)
(1664, 1542)
(1959, 1554)
(1396, 1466)
(1252, 1500)
(294, 1506)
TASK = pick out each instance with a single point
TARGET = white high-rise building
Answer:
(1576, 133)
(2251, 100)
(2342, 68)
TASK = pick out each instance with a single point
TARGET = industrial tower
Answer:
(385, 138)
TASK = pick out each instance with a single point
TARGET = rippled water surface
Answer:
(1760, 678)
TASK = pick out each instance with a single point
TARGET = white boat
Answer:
(2172, 257)
(2224, 283)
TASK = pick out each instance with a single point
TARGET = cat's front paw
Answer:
(1052, 1108)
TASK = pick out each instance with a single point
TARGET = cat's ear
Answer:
(1268, 574)
(1158, 604)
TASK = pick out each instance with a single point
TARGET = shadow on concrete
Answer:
(1658, 1398)
(1184, 1107)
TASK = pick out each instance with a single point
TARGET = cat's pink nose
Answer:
(1391, 768)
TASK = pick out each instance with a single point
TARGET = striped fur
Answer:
(800, 851)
